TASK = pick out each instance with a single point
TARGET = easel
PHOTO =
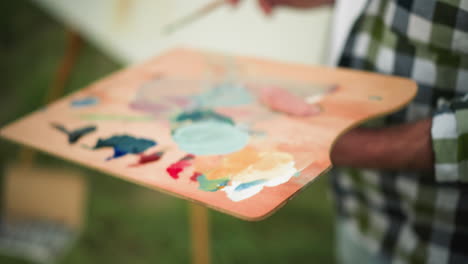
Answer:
(65, 190)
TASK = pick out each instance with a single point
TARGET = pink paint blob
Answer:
(281, 100)
(176, 168)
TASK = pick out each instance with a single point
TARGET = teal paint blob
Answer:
(75, 135)
(198, 115)
(210, 138)
(211, 185)
(85, 102)
(247, 185)
(224, 95)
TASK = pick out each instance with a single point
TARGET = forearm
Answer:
(402, 147)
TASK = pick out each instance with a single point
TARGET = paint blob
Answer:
(245, 173)
(224, 95)
(112, 117)
(179, 101)
(211, 185)
(84, 102)
(148, 158)
(281, 100)
(195, 176)
(148, 107)
(316, 98)
(199, 115)
(75, 135)
(210, 138)
(178, 167)
(240, 190)
(125, 144)
(247, 185)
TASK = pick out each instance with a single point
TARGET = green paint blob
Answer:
(210, 138)
(211, 185)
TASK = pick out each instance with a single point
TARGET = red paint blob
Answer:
(195, 176)
(176, 168)
(153, 157)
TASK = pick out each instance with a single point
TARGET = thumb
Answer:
(267, 6)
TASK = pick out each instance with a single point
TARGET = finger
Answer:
(233, 2)
(266, 6)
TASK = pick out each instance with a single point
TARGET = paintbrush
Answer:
(197, 14)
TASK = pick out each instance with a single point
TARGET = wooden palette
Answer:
(189, 123)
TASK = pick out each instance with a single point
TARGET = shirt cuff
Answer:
(450, 141)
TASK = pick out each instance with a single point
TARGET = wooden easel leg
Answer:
(199, 223)
(27, 155)
(72, 49)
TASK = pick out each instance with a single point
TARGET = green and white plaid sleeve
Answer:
(450, 141)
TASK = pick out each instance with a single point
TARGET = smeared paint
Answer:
(375, 98)
(316, 98)
(111, 117)
(210, 138)
(180, 101)
(125, 144)
(229, 165)
(282, 100)
(149, 99)
(148, 107)
(275, 176)
(245, 173)
(195, 176)
(247, 185)
(224, 94)
(75, 135)
(211, 185)
(176, 168)
(313, 99)
(85, 102)
(199, 115)
(147, 158)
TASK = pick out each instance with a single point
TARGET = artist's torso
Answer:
(405, 215)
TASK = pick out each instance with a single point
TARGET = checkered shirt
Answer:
(408, 217)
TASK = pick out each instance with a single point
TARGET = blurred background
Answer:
(126, 223)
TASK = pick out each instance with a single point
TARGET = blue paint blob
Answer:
(224, 95)
(124, 144)
(247, 185)
(84, 102)
(297, 174)
(211, 185)
(210, 138)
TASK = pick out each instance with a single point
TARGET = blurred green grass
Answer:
(127, 223)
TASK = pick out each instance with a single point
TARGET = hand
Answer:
(401, 147)
(268, 5)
